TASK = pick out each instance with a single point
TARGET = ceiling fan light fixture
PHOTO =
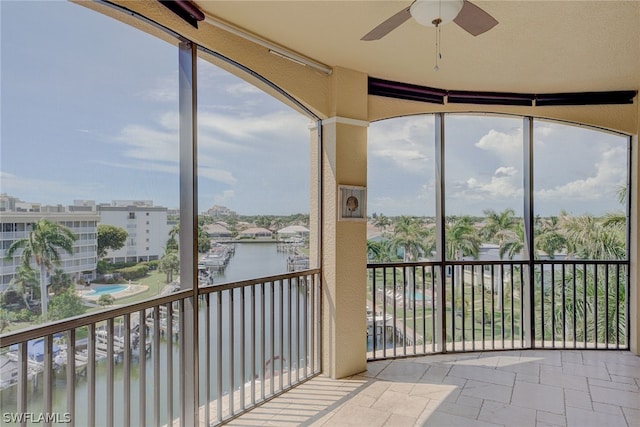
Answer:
(435, 12)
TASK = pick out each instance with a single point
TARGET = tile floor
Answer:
(512, 388)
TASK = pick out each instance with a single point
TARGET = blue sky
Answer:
(89, 111)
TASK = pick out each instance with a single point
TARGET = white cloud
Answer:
(406, 142)
(607, 177)
(504, 184)
(506, 146)
(506, 171)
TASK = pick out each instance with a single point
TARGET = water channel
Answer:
(250, 261)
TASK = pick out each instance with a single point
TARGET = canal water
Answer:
(251, 260)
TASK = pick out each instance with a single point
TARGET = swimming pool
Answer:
(106, 289)
(421, 297)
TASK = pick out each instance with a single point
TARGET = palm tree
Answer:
(498, 228)
(60, 281)
(23, 282)
(549, 236)
(495, 223)
(382, 222)
(43, 244)
(413, 237)
(592, 238)
(380, 251)
(462, 238)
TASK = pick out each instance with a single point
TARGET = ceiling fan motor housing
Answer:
(435, 12)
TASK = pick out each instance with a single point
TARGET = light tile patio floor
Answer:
(510, 388)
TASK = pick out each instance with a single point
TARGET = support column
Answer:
(634, 246)
(344, 258)
(187, 56)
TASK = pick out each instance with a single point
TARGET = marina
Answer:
(245, 261)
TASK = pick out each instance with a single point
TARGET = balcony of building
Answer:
(441, 340)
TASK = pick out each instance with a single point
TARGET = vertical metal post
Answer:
(91, 374)
(71, 375)
(281, 341)
(207, 359)
(253, 344)
(243, 370)
(529, 249)
(231, 341)
(126, 362)
(187, 81)
(47, 380)
(219, 354)
(142, 368)
(169, 369)
(473, 307)
(156, 365)
(290, 329)
(440, 319)
(384, 311)
(23, 362)
(110, 372)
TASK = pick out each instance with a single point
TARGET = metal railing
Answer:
(122, 366)
(433, 307)
(261, 338)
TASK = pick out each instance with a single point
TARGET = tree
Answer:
(204, 243)
(549, 238)
(382, 222)
(60, 281)
(43, 244)
(462, 238)
(495, 223)
(66, 304)
(592, 238)
(5, 320)
(23, 282)
(413, 237)
(381, 251)
(169, 264)
(106, 300)
(110, 237)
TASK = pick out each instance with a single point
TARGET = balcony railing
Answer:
(125, 366)
(433, 307)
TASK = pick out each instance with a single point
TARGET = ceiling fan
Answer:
(434, 13)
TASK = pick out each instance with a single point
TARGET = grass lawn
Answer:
(155, 280)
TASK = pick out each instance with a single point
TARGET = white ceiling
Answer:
(537, 47)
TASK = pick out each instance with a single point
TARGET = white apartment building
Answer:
(81, 263)
(146, 225)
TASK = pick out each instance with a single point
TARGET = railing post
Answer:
(187, 56)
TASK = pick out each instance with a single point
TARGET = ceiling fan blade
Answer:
(474, 20)
(387, 26)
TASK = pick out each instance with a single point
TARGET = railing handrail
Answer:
(38, 331)
(250, 282)
(498, 262)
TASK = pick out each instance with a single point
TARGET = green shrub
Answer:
(133, 273)
(24, 315)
